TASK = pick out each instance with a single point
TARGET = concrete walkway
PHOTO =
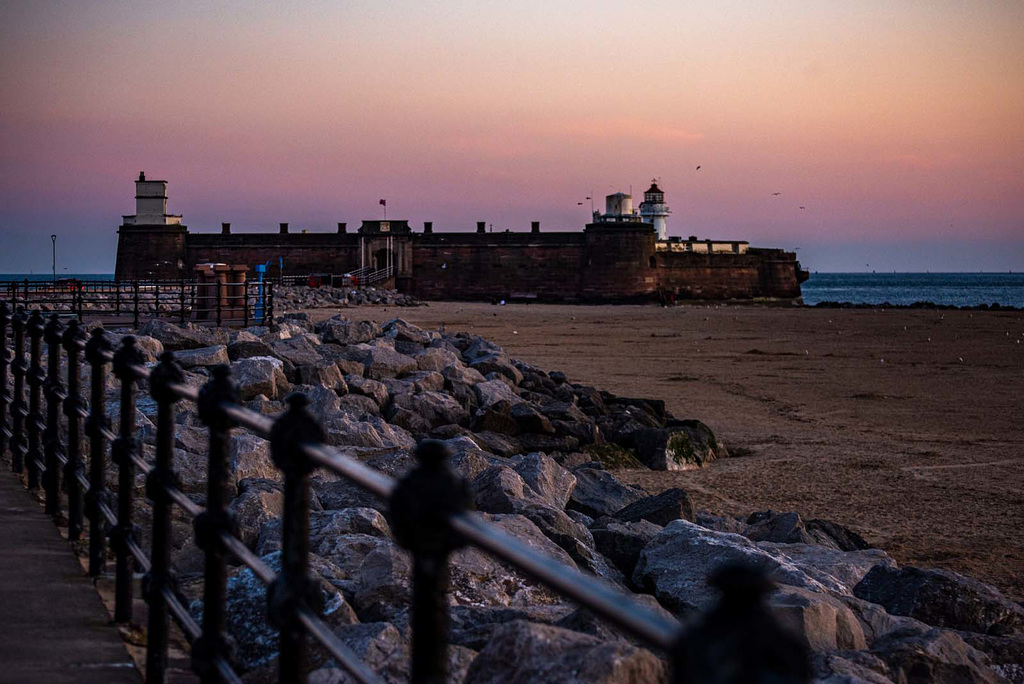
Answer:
(53, 626)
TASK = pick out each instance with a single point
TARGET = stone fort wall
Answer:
(591, 265)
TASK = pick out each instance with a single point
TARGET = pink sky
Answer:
(900, 126)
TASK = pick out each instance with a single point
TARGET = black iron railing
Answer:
(205, 303)
(430, 508)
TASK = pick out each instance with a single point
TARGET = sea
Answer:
(901, 289)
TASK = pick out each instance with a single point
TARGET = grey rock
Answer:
(259, 375)
(674, 566)
(553, 483)
(598, 493)
(691, 444)
(672, 504)
(368, 388)
(436, 359)
(825, 623)
(786, 528)
(492, 391)
(943, 599)
(436, 408)
(523, 651)
(342, 331)
(462, 375)
(848, 567)
(258, 502)
(202, 356)
(175, 338)
(621, 542)
(937, 656)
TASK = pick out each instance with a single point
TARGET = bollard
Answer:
(163, 376)
(97, 353)
(121, 452)
(74, 343)
(135, 304)
(34, 420)
(421, 505)
(54, 393)
(214, 641)
(293, 587)
(5, 319)
(18, 369)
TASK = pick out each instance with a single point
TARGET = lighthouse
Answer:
(654, 210)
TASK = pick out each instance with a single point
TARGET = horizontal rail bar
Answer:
(139, 554)
(252, 421)
(181, 615)
(363, 475)
(342, 653)
(186, 504)
(108, 514)
(242, 553)
(611, 604)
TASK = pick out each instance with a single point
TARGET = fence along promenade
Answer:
(204, 303)
(430, 513)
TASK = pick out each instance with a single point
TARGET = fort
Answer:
(621, 255)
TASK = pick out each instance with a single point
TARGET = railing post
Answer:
(97, 354)
(5, 319)
(117, 298)
(181, 301)
(125, 358)
(220, 298)
(74, 343)
(293, 588)
(34, 419)
(214, 641)
(166, 373)
(54, 393)
(18, 369)
(79, 296)
(135, 302)
(421, 506)
(156, 299)
(268, 310)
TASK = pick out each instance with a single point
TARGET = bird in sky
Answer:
(776, 194)
(803, 207)
(698, 167)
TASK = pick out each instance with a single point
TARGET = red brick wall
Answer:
(151, 253)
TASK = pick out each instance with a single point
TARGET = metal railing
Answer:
(361, 276)
(430, 509)
(221, 304)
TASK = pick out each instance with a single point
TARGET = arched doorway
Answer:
(384, 257)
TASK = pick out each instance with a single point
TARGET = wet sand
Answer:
(907, 426)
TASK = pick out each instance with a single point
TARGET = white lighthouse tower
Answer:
(654, 210)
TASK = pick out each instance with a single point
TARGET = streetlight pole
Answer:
(53, 239)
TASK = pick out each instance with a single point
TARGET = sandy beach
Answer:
(906, 425)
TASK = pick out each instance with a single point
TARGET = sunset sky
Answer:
(898, 125)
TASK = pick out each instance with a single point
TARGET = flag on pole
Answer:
(383, 203)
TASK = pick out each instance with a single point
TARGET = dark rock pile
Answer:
(299, 297)
(541, 452)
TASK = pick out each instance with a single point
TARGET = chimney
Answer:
(342, 227)
(534, 226)
(428, 227)
(284, 229)
(481, 226)
(225, 229)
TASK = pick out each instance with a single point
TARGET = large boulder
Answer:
(492, 391)
(942, 598)
(675, 566)
(690, 444)
(621, 542)
(344, 430)
(437, 359)
(384, 362)
(296, 352)
(378, 645)
(257, 641)
(325, 526)
(373, 389)
(435, 408)
(249, 456)
(598, 493)
(937, 656)
(782, 528)
(403, 331)
(260, 375)
(522, 651)
(848, 567)
(258, 502)
(342, 331)
(176, 338)
(553, 483)
(671, 504)
(825, 623)
(247, 347)
(497, 363)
